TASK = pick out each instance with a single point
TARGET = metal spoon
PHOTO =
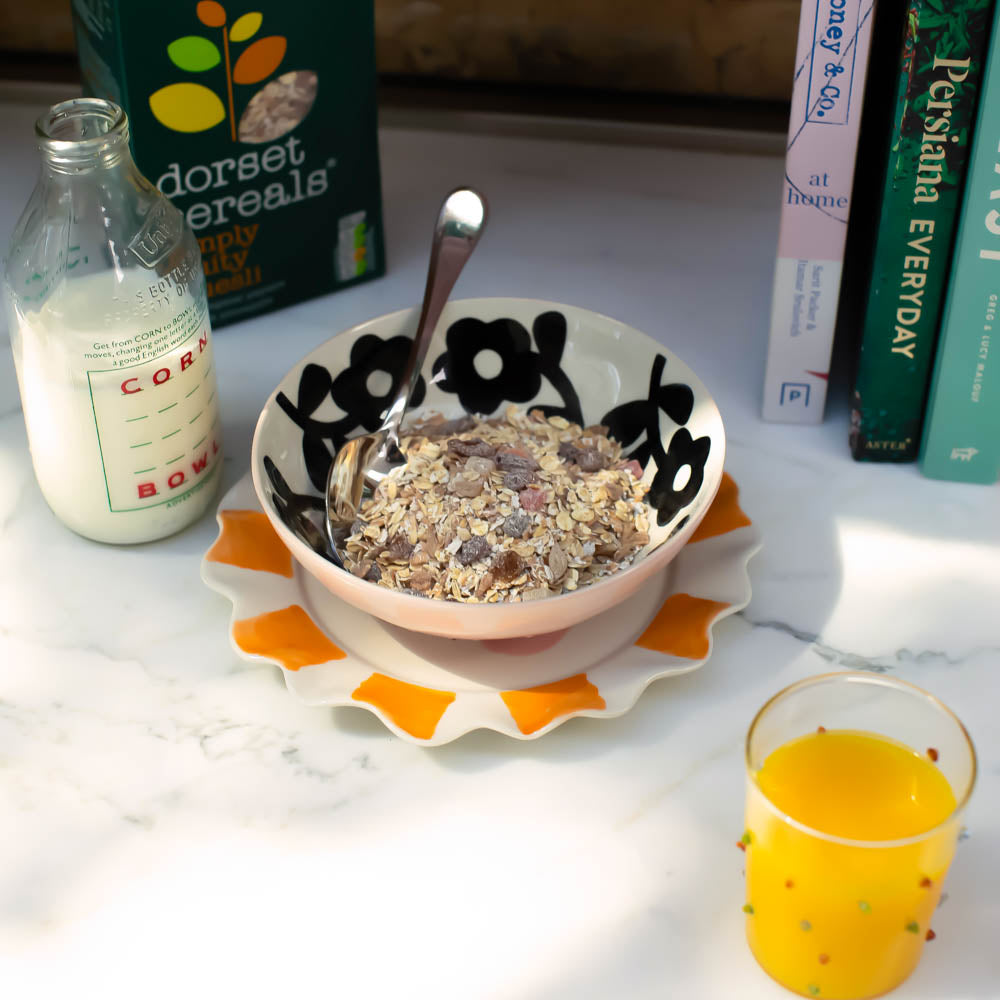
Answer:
(304, 514)
(363, 462)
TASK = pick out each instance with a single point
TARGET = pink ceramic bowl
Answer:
(486, 354)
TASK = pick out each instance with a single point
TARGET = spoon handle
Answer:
(460, 223)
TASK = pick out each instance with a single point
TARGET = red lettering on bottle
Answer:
(202, 342)
(165, 372)
(147, 490)
(199, 463)
(176, 479)
(215, 447)
(128, 391)
(186, 360)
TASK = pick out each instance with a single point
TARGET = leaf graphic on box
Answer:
(260, 59)
(187, 107)
(245, 27)
(194, 53)
(211, 13)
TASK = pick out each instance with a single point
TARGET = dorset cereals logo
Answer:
(270, 113)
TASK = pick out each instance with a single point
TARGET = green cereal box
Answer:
(257, 119)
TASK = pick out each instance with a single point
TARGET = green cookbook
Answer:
(940, 69)
(962, 433)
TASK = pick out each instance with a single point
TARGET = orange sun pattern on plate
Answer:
(413, 708)
(289, 636)
(681, 626)
(535, 707)
(246, 539)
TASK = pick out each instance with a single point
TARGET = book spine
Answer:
(831, 62)
(940, 70)
(961, 439)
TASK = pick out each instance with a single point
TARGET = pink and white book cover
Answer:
(827, 96)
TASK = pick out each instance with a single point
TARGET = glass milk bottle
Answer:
(110, 332)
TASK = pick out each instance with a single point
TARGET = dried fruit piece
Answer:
(515, 460)
(516, 524)
(471, 446)
(473, 550)
(467, 488)
(930, 935)
(517, 481)
(532, 499)
(400, 548)
(507, 566)
(590, 460)
(422, 580)
(933, 754)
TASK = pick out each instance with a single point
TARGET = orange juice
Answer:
(847, 844)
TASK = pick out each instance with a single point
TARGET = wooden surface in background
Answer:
(727, 48)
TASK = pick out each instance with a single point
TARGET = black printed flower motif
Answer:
(526, 362)
(683, 451)
(519, 379)
(350, 390)
(369, 356)
(627, 422)
(549, 330)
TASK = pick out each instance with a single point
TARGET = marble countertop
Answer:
(175, 823)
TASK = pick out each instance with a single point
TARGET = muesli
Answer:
(513, 508)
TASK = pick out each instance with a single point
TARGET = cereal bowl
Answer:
(573, 365)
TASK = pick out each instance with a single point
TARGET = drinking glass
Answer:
(829, 916)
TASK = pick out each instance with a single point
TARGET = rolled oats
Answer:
(508, 509)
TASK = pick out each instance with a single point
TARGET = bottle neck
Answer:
(83, 135)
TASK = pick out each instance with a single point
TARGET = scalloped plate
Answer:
(429, 690)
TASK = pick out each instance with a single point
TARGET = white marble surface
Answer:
(173, 823)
